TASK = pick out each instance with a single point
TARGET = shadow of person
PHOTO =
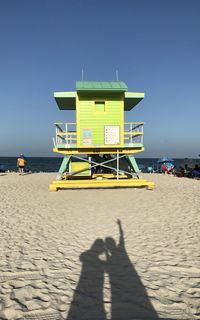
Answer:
(129, 298)
(87, 303)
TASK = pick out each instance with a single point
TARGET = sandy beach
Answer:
(65, 256)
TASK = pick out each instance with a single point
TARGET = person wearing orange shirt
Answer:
(21, 162)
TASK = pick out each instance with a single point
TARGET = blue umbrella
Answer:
(165, 159)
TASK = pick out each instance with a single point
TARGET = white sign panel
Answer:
(112, 134)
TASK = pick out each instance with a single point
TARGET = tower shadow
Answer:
(129, 299)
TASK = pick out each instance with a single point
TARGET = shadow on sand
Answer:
(129, 298)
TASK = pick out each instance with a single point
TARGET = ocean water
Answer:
(35, 164)
(52, 164)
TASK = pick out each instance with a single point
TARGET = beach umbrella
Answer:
(165, 159)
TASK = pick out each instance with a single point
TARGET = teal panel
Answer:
(134, 165)
(64, 164)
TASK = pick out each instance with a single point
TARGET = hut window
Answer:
(99, 106)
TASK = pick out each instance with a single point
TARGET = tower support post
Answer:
(63, 167)
(134, 165)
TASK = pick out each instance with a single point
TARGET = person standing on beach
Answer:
(164, 169)
(21, 162)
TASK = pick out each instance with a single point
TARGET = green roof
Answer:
(111, 86)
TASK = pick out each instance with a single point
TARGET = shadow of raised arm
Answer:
(121, 234)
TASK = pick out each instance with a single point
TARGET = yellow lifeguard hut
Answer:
(99, 148)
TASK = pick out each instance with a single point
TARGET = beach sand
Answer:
(52, 265)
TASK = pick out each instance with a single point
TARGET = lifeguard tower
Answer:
(99, 148)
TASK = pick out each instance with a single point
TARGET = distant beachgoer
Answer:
(196, 171)
(180, 172)
(2, 168)
(164, 168)
(174, 171)
(21, 162)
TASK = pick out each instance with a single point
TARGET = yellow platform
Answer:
(100, 182)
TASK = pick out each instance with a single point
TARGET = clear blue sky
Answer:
(154, 44)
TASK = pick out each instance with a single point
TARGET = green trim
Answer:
(111, 86)
(131, 99)
(133, 145)
(71, 94)
(65, 100)
(74, 146)
(66, 146)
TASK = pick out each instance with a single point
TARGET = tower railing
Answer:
(66, 134)
(133, 133)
